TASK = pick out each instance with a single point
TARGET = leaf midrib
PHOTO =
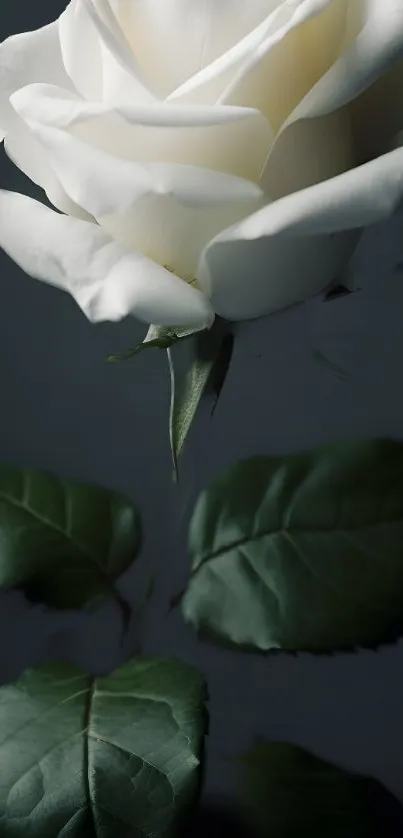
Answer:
(86, 756)
(47, 522)
(99, 738)
(290, 531)
(86, 735)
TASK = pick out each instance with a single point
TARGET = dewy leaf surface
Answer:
(303, 552)
(113, 757)
(63, 542)
(286, 792)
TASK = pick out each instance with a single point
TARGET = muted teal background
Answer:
(64, 408)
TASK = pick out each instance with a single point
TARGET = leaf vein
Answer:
(52, 525)
(42, 715)
(327, 583)
(228, 548)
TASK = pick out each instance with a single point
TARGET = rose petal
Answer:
(107, 281)
(25, 58)
(219, 80)
(289, 250)
(29, 155)
(203, 136)
(378, 43)
(81, 50)
(166, 211)
(92, 55)
(295, 157)
(115, 41)
(373, 39)
(312, 150)
(185, 37)
(291, 60)
(208, 84)
(117, 182)
(32, 56)
(63, 108)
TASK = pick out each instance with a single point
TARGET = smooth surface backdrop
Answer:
(315, 373)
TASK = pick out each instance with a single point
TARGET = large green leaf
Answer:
(303, 552)
(286, 792)
(63, 542)
(114, 757)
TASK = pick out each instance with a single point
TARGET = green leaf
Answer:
(286, 792)
(157, 337)
(184, 403)
(303, 552)
(64, 543)
(205, 375)
(106, 757)
(220, 367)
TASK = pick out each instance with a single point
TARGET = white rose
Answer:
(204, 154)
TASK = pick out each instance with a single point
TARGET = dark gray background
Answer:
(64, 408)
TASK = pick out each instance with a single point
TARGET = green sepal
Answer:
(157, 337)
